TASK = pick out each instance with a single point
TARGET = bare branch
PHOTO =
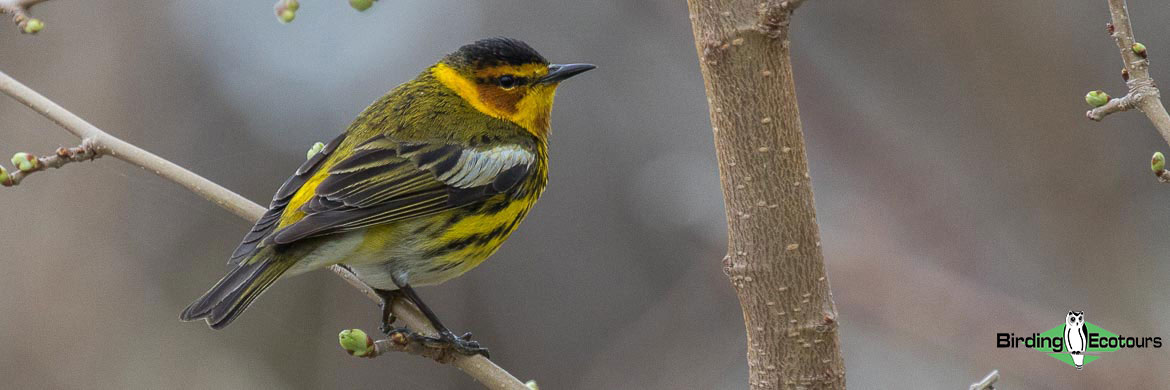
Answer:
(987, 383)
(99, 143)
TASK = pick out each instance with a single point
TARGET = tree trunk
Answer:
(774, 257)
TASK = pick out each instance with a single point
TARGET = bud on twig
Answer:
(24, 162)
(356, 342)
(1139, 49)
(532, 385)
(1158, 163)
(1096, 98)
(361, 5)
(4, 179)
(33, 26)
(314, 150)
(286, 10)
(287, 16)
(1125, 74)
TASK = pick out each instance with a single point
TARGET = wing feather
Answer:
(386, 181)
(267, 223)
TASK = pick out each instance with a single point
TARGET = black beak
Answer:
(560, 72)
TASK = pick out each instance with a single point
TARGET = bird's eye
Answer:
(506, 82)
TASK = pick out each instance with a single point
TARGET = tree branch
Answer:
(1143, 93)
(286, 11)
(98, 143)
(774, 257)
(987, 383)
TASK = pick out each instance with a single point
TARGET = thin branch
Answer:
(99, 143)
(1143, 93)
(1163, 176)
(987, 383)
(62, 156)
(401, 340)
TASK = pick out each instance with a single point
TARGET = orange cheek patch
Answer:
(499, 99)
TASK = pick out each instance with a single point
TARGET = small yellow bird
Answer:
(425, 184)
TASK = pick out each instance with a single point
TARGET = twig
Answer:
(19, 11)
(1163, 176)
(62, 156)
(1143, 93)
(100, 143)
(987, 383)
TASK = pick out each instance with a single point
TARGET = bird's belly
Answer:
(432, 250)
(414, 266)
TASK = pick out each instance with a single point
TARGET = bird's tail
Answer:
(232, 295)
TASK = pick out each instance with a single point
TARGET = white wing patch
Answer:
(477, 167)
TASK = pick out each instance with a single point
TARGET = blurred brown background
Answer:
(961, 193)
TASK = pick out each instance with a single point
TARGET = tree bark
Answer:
(774, 255)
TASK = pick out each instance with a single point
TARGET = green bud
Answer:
(1097, 98)
(24, 162)
(3, 176)
(532, 385)
(287, 15)
(1158, 162)
(34, 25)
(361, 5)
(294, 5)
(1139, 49)
(356, 342)
(314, 150)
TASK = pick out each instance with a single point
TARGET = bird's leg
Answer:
(388, 297)
(447, 339)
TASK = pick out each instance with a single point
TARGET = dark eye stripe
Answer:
(496, 81)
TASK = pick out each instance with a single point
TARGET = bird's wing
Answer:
(267, 223)
(386, 180)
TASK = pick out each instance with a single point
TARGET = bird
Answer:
(425, 184)
(1075, 338)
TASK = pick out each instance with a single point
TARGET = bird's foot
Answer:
(388, 318)
(463, 344)
(446, 340)
(386, 326)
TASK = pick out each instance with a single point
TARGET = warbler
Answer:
(424, 185)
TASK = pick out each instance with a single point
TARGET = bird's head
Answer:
(506, 79)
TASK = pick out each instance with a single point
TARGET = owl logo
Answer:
(1075, 339)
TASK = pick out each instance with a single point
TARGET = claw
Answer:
(464, 345)
(461, 345)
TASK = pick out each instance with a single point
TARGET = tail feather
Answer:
(236, 291)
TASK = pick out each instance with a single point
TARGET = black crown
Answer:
(497, 51)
